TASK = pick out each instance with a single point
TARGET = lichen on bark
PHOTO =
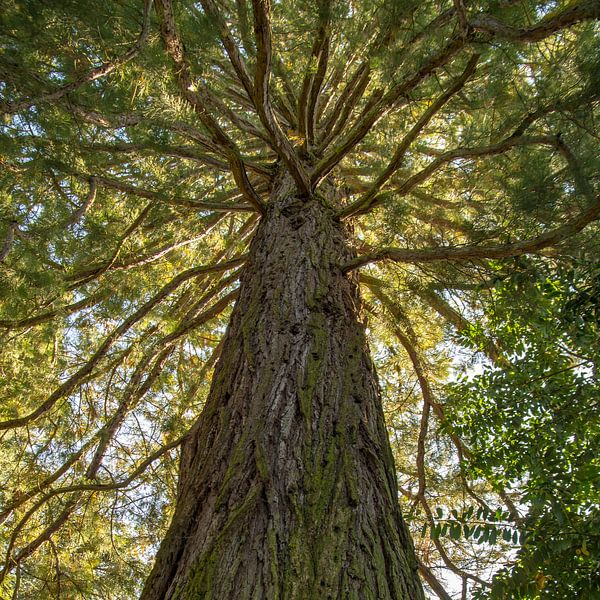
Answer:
(287, 485)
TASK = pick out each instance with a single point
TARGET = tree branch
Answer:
(194, 94)
(433, 582)
(575, 13)
(363, 203)
(30, 548)
(382, 106)
(69, 385)
(69, 309)
(464, 153)
(121, 186)
(550, 238)
(348, 99)
(136, 389)
(457, 320)
(89, 200)
(96, 73)
(139, 259)
(262, 33)
(239, 66)
(184, 152)
(8, 240)
(313, 78)
(95, 487)
(45, 483)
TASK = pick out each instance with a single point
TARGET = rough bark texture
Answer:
(287, 486)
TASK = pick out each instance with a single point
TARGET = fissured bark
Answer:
(287, 483)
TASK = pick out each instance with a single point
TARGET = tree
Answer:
(155, 155)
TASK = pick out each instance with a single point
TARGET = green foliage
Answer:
(535, 425)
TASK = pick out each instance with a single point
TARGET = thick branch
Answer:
(466, 154)
(348, 99)
(459, 9)
(575, 13)
(550, 238)
(44, 536)
(457, 320)
(433, 582)
(69, 309)
(398, 158)
(313, 79)
(115, 184)
(315, 91)
(197, 99)
(383, 105)
(262, 32)
(239, 66)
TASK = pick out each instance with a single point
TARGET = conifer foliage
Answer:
(141, 146)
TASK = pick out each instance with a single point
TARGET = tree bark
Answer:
(287, 484)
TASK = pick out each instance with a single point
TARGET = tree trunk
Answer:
(287, 482)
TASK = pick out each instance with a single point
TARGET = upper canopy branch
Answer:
(262, 32)
(95, 73)
(363, 203)
(356, 85)
(462, 153)
(210, 8)
(258, 91)
(314, 77)
(199, 100)
(555, 21)
(349, 97)
(381, 106)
